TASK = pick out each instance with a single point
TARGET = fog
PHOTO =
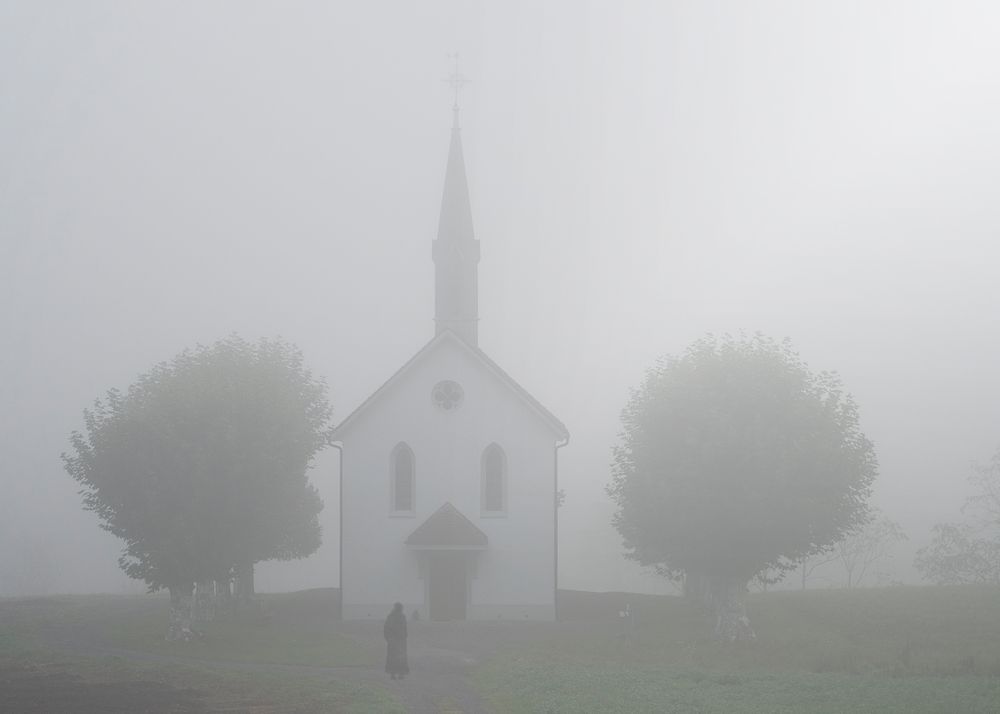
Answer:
(640, 174)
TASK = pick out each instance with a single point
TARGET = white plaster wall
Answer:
(514, 577)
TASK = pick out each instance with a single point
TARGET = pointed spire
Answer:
(456, 250)
(455, 223)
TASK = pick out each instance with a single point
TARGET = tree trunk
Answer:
(725, 598)
(224, 598)
(244, 585)
(204, 602)
(695, 587)
(179, 629)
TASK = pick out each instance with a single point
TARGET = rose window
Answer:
(447, 395)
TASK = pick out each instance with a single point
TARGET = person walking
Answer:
(395, 642)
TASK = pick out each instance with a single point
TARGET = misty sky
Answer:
(640, 173)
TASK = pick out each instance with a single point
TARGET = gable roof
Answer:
(558, 428)
(447, 528)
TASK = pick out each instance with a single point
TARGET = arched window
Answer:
(402, 483)
(494, 481)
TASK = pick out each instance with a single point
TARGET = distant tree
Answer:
(811, 563)
(968, 552)
(735, 458)
(765, 578)
(867, 546)
(200, 467)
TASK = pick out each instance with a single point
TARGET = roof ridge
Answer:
(447, 527)
(547, 416)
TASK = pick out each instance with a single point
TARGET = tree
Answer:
(201, 466)
(811, 563)
(735, 458)
(968, 552)
(868, 545)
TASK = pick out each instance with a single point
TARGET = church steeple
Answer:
(456, 251)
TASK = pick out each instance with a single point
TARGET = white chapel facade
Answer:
(449, 470)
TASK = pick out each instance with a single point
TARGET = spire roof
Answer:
(456, 250)
(455, 223)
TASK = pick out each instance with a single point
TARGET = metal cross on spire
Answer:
(456, 80)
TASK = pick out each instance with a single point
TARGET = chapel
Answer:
(449, 471)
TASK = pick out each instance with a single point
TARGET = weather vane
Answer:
(456, 81)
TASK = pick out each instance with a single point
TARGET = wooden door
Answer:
(448, 585)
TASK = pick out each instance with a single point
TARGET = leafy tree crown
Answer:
(202, 463)
(735, 457)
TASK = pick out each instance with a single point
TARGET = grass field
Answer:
(934, 650)
(518, 686)
(44, 665)
(284, 631)
(920, 650)
(49, 682)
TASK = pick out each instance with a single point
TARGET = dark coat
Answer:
(395, 638)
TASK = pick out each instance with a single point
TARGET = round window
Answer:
(447, 395)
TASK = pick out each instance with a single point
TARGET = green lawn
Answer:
(269, 639)
(36, 672)
(529, 685)
(46, 681)
(288, 629)
(933, 650)
(890, 650)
